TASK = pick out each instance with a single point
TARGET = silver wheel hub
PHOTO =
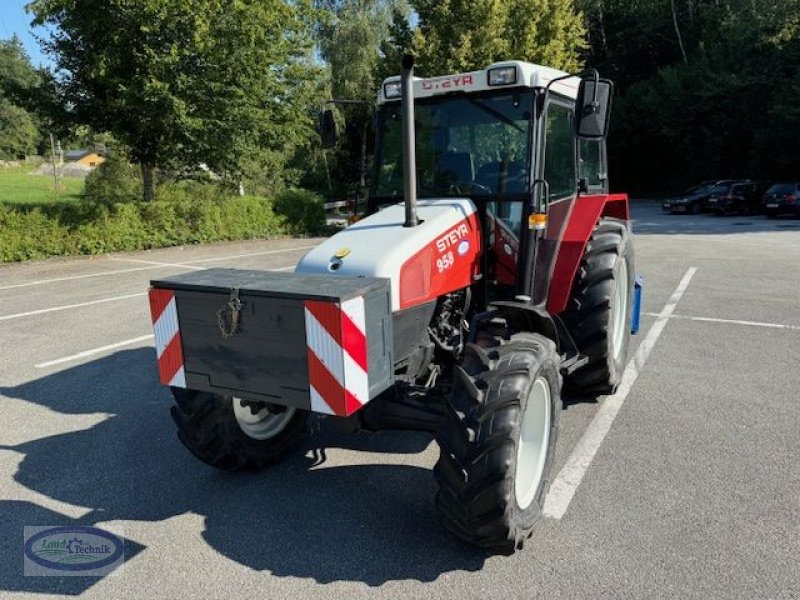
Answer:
(620, 310)
(534, 440)
(261, 424)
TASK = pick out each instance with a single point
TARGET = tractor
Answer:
(493, 269)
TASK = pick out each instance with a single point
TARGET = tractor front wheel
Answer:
(598, 315)
(497, 441)
(233, 434)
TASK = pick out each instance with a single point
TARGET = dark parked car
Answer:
(783, 199)
(740, 198)
(692, 200)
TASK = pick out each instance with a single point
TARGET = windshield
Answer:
(465, 145)
(721, 189)
(700, 187)
(782, 188)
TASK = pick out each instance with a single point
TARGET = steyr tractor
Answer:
(492, 270)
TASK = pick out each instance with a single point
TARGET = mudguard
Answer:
(585, 214)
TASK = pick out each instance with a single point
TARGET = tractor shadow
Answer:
(370, 522)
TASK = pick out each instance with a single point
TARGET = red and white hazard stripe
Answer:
(337, 356)
(169, 351)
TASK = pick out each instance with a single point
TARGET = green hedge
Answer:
(182, 215)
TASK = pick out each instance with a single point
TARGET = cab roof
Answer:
(528, 75)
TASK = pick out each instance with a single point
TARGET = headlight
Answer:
(503, 76)
(392, 89)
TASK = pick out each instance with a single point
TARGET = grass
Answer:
(19, 187)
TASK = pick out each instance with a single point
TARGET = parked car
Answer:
(783, 199)
(692, 200)
(740, 197)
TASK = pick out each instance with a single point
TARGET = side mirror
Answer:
(593, 108)
(327, 129)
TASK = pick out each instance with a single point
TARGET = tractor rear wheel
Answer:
(598, 314)
(497, 441)
(233, 434)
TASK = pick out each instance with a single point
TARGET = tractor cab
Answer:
(504, 137)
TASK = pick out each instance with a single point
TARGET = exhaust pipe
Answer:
(409, 148)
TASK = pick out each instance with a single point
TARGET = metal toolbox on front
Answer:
(317, 342)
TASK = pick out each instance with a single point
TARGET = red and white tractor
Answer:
(493, 269)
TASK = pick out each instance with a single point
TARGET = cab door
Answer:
(556, 165)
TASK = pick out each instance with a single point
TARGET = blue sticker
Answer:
(463, 247)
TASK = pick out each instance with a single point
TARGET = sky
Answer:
(14, 19)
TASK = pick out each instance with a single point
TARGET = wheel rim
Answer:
(534, 439)
(620, 309)
(262, 425)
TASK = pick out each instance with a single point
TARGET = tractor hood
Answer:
(438, 256)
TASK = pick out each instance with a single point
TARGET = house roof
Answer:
(77, 154)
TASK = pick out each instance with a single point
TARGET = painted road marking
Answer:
(93, 351)
(569, 478)
(218, 258)
(43, 311)
(732, 321)
(156, 263)
(72, 277)
(149, 267)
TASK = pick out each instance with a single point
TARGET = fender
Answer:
(529, 317)
(586, 213)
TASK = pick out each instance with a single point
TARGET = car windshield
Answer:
(464, 145)
(696, 189)
(782, 188)
(721, 189)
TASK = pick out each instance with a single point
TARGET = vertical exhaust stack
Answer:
(409, 144)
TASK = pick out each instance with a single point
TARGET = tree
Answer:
(461, 35)
(19, 131)
(183, 82)
(351, 41)
(19, 134)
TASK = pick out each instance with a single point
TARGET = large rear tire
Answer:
(497, 441)
(598, 314)
(228, 433)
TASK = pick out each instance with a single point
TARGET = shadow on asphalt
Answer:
(648, 218)
(14, 515)
(370, 523)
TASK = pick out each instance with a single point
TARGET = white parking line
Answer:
(93, 351)
(218, 258)
(156, 263)
(732, 322)
(569, 478)
(72, 277)
(43, 311)
(153, 266)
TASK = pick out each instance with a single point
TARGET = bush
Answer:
(184, 213)
(30, 234)
(116, 180)
(303, 210)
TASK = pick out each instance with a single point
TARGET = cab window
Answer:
(559, 152)
(590, 165)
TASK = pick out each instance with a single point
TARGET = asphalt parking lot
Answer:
(684, 484)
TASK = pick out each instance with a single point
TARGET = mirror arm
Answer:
(581, 75)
